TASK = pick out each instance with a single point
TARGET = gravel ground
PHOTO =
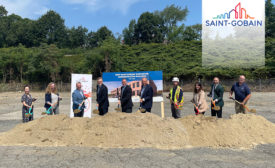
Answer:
(263, 156)
(10, 113)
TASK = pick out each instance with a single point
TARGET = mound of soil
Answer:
(115, 130)
(240, 131)
(120, 130)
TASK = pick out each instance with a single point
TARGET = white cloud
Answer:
(95, 5)
(35, 8)
(26, 8)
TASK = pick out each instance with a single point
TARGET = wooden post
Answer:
(162, 109)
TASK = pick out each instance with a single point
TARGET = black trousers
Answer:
(80, 114)
(127, 110)
(215, 113)
(102, 110)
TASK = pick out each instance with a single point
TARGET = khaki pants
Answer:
(239, 108)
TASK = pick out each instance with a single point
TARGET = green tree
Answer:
(44, 65)
(25, 33)
(97, 38)
(3, 31)
(21, 60)
(176, 34)
(11, 65)
(50, 29)
(192, 32)
(10, 26)
(270, 18)
(77, 37)
(171, 16)
(149, 29)
(129, 33)
(4, 56)
(3, 11)
(110, 50)
(95, 62)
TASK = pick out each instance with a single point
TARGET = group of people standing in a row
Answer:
(240, 89)
(101, 99)
(125, 98)
(52, 98)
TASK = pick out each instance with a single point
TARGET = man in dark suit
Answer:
(216, 94)
(102, 97)
(126, 97)
(146, 96)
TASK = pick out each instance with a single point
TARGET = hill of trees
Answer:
(46, 50)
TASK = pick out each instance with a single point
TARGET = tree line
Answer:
(46, 50)
(50, 29)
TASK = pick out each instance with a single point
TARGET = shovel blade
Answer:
(76, 111)
(142, 110)
(252, 111)
(216, 108)
(95, 111)
(118, 109)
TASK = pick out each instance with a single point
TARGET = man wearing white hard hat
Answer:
(176, 98)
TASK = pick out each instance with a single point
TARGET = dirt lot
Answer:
(10, 115)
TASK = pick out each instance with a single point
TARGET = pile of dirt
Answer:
(240, 131)
(114, 130)
(119, 130)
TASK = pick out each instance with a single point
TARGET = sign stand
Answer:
(162, 109)
(86, 82)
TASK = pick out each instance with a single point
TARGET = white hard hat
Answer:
(175, 79)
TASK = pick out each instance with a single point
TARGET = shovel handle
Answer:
(79, 107)
(48, 111)
(246, 108)
(242, 104)
(30, 109)
(82, 102)
(197, 109)
(213, 102)
(235, 100)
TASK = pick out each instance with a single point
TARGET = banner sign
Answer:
(86, 82)
(233, 33)
(113, 81)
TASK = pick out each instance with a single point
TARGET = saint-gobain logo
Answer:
(238, 16)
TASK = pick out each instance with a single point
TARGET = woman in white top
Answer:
(52, 99)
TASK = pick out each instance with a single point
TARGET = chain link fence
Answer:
(259, 85)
